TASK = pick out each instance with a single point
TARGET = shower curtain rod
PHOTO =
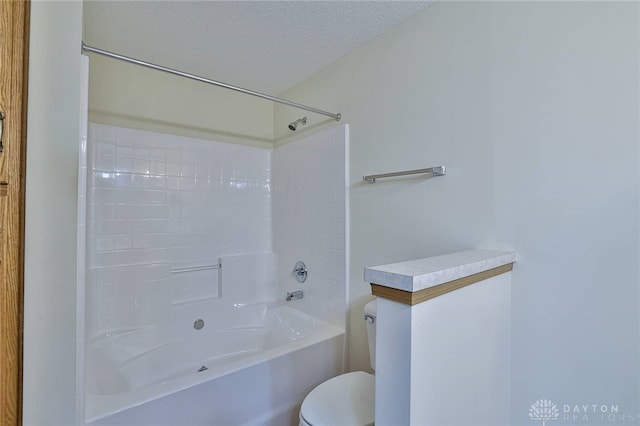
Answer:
(87, 48)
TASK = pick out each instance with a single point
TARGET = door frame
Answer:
(14, 54)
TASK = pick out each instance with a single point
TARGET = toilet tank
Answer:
(370, 314)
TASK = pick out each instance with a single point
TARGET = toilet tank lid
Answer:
(371, 308)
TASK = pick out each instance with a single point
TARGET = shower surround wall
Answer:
(158, 202)
(310, 211)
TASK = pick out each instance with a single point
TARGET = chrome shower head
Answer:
(294, 124)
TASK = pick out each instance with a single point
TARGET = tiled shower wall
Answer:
(156, 202)
(310, 213)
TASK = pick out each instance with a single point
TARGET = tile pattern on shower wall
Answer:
(310, 205)
(157, 202)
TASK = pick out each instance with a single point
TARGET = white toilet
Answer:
(348, 399)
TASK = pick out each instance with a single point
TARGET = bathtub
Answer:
(247, 365)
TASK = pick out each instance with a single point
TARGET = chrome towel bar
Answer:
(435, 171)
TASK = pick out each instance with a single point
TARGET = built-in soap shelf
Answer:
(418, 280)
(195, 282)
(195, 268)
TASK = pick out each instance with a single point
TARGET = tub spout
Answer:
(295, 295)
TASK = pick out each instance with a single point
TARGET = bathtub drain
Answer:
(198, 324)
(203, 368)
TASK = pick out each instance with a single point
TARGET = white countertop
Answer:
(415, 275)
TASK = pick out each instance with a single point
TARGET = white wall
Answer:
(533, 108)
(50, 235)
(436, 367)
(127, 95)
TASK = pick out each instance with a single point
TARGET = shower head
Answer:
(294, 124)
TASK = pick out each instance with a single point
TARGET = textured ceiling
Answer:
(267, 46)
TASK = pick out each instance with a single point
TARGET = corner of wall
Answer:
(49, 385)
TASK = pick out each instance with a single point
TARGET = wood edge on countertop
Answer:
(413, 298)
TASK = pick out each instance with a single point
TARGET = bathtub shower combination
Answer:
(190, 247)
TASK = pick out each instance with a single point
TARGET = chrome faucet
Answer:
(295, 295)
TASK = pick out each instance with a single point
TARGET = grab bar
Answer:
(196, 268)
(435, 171)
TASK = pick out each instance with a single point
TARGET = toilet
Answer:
(348, 399)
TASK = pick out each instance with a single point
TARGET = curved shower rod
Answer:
(87, 48)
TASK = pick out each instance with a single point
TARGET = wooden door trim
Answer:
(14, 19)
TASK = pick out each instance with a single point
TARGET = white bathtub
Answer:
(248, 365)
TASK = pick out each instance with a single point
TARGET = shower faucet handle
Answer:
(300, 271)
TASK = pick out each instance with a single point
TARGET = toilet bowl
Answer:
(348, 399)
